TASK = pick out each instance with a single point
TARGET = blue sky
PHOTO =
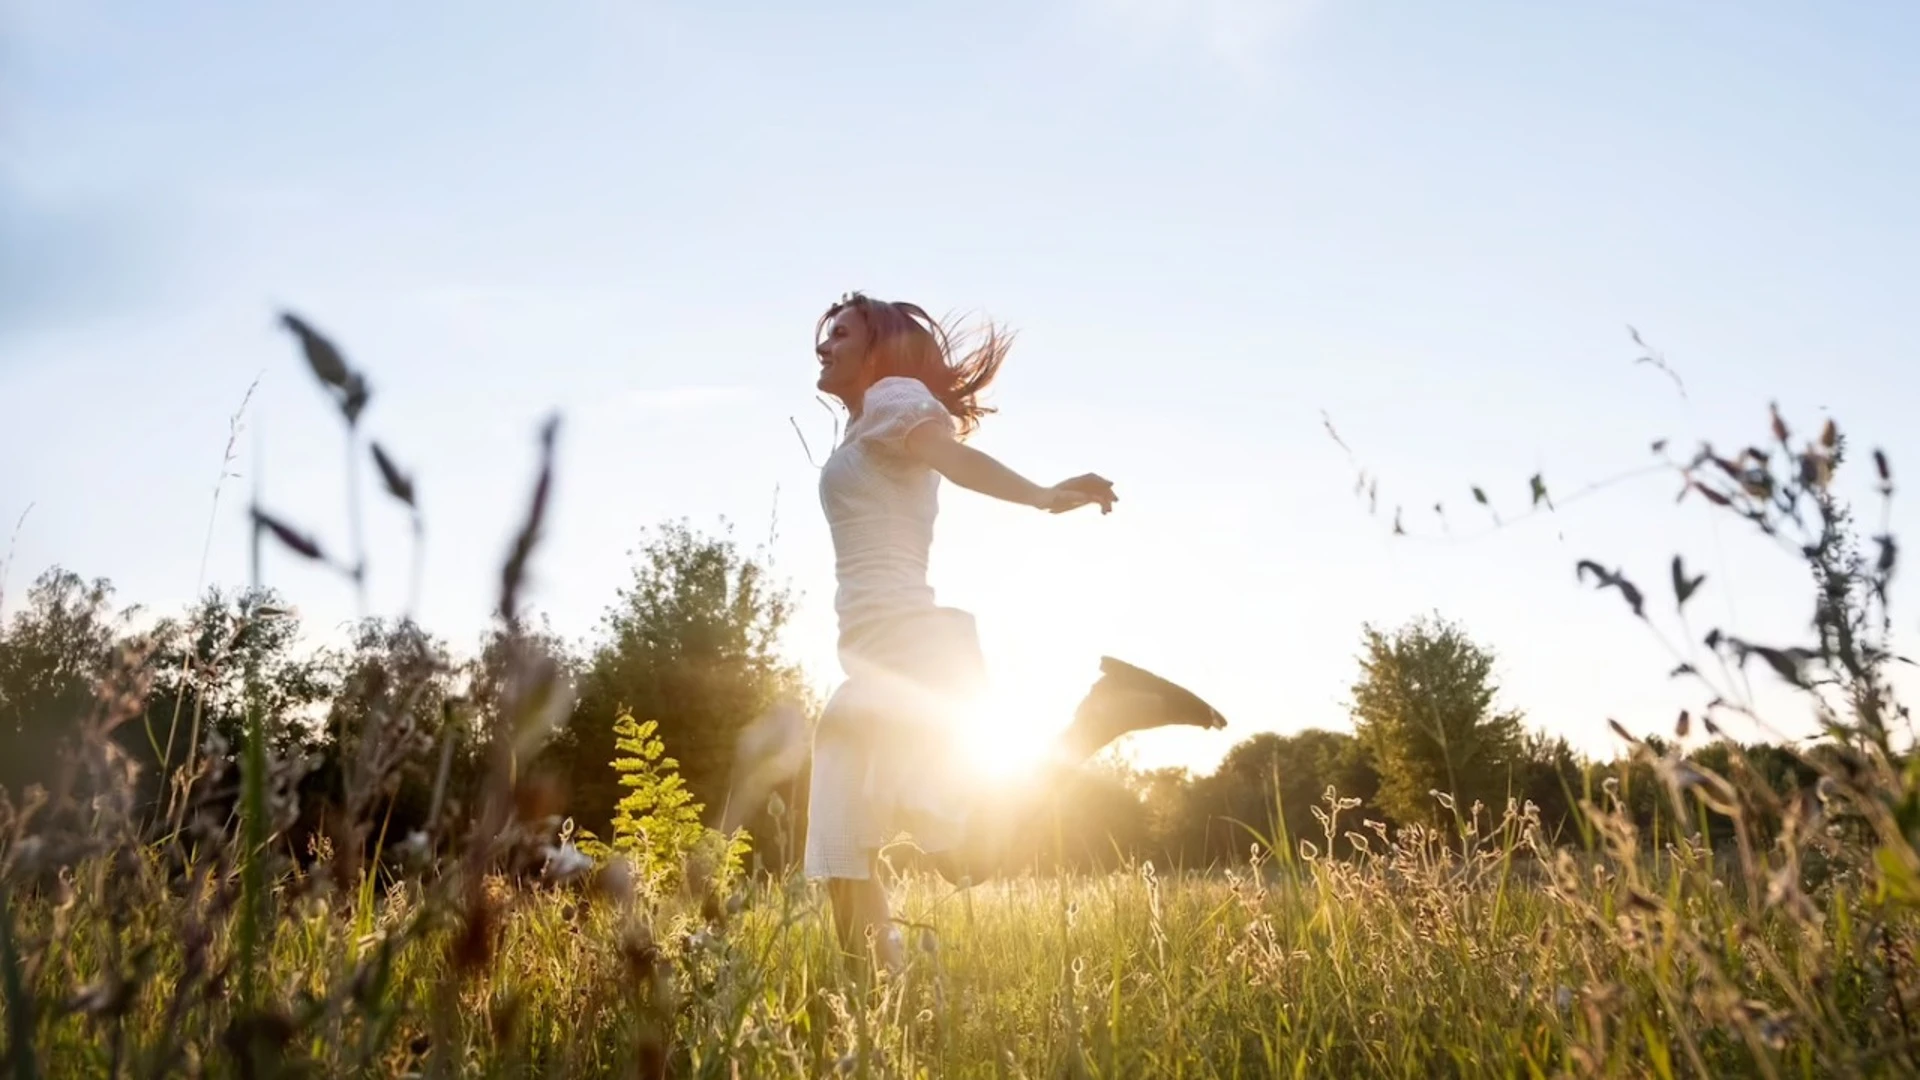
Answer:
(1208, 221)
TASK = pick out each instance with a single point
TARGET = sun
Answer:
(1011, 726)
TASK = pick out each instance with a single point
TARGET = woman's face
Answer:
(843, 356)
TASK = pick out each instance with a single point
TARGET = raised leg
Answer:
(1126, 699)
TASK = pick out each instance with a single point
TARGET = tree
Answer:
(389, 727)
(198, 690)
(1555, 782)
(1423, 706)
(1166, 798)
(691, 643)
(1267, 787)
(53, 654)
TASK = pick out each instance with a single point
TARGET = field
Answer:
(1685, 915)
(1477, 959)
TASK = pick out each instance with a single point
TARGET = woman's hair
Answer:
(902, 339)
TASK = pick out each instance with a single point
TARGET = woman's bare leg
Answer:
(859, 909)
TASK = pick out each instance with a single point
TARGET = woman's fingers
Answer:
(1091, 488)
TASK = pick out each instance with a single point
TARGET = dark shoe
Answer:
(1129, 698)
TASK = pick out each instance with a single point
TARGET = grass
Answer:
(1495, 955)
(1486, 949)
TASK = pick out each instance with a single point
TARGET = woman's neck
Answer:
(855, 402)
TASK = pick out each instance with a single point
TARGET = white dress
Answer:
(884, 759)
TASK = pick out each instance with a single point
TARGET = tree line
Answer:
(691, 643)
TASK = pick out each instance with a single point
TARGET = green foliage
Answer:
(53, 652)
(1424, 707)
(693, 641)
(200, 661)
(656, 824)
(1263, 792)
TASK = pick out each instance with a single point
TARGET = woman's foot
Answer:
(1127, 699)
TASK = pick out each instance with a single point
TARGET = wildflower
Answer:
(1563, 998)
(565, 862)
(1446, 800)
(414, 850)
(1783, 890)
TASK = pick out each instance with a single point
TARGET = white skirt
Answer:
(886, 755)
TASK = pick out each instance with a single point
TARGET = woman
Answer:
(885, 746)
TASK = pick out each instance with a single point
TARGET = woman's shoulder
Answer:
(902, 395)
(896, 405)
(902, 387)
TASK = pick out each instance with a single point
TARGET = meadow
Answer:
(1746, 930)
(1485, 958)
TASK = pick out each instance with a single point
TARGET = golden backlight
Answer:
(1010, 728)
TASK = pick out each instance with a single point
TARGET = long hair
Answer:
(902, 339)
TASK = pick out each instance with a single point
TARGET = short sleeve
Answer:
(894, 407)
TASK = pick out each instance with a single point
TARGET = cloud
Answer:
(1241, 33)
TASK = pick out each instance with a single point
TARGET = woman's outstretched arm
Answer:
(976, 470)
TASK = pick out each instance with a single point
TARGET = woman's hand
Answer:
(1080, 491)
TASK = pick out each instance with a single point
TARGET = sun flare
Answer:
(1011, 726)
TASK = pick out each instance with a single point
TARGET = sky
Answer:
(1211, 224)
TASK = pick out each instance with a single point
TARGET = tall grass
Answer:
(484, 947)
(1419, 958)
